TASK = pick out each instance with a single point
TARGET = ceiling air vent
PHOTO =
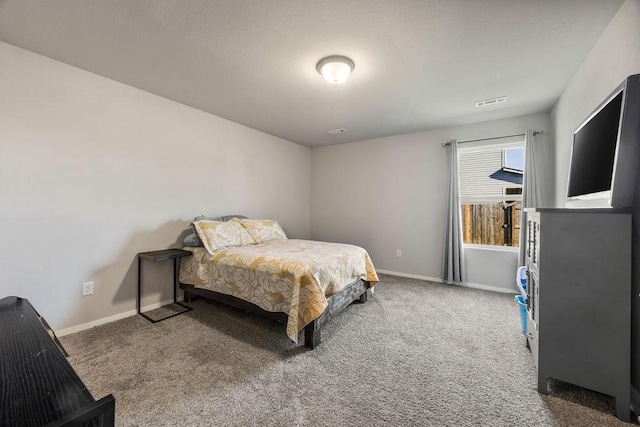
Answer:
(491, 101)
(337, 131)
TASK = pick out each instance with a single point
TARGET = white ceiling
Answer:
(420, 64)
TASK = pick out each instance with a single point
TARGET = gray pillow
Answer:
(218, 218)
(192, 240)
(207, 218)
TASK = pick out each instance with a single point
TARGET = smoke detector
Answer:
(491, 101)
(337, 131)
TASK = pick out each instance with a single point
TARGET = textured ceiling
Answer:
(420, 64)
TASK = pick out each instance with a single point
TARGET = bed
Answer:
(302, 283)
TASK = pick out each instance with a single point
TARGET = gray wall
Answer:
(94, 171)
(389, 193)
(615, 56)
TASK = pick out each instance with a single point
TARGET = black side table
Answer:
(163, 255)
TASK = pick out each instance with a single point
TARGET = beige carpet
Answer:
(416, 353)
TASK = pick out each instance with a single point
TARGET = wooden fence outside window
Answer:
(492, 223)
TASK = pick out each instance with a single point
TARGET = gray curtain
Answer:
(536, 181)
(453, 256)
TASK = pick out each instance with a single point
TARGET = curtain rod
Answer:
(538, 132)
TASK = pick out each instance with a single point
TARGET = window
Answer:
(513, 158)
(491, 193)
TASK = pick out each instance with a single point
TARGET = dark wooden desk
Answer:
(39, 386)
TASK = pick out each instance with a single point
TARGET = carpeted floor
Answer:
(417, 353)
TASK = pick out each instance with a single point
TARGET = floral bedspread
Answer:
(289, 276)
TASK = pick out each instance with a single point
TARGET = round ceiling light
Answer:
(335, 69)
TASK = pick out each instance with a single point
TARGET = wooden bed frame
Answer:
(336, 303)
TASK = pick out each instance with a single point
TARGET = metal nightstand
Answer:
(163, 255)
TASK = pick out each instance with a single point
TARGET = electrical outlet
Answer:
(87, 288)
(398, 253)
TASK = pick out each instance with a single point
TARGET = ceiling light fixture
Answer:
(335, 69)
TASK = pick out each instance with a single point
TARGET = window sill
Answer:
(496, 248)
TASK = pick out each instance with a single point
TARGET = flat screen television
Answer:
(604, 156)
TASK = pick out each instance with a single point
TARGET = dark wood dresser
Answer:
(39, 386)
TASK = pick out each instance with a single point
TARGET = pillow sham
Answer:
(193, 240)
(217, 235)
(262, 230)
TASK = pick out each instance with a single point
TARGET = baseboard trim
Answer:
(487, 288)
(109, 319)
(438, 280)
(410, 276)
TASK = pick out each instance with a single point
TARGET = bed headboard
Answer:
(219, 218)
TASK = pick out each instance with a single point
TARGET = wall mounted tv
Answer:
(604, 157)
